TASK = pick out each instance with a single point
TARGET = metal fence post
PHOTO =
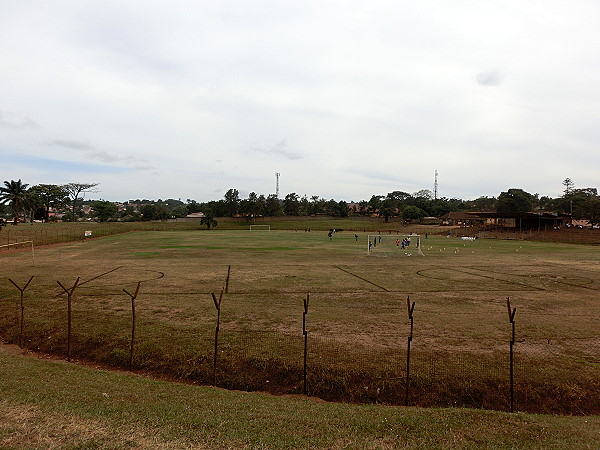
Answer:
(218, 306)
(411, 309)
(227, 279)
(305, 333)
(69, 295)
(133, 297)
(22, 321)
(511, 318)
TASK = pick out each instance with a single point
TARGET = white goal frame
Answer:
(260, 227)
(373, 240)
(8, 246)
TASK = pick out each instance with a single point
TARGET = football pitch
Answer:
(358, 301)
(266, 271)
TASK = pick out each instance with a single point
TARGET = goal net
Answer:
(394, 244)
(260, 227)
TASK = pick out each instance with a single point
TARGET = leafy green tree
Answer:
(589, 210)
(32, 203)
(387, 209)
(51, 195)
(104, 210)
(341, 209)
(330, 207)
(304, 208)
(543, 202)
(149, 212)
(316, 205)
(482, 204)
(515, 201)
(232, 202)
(569, 203)
(179, 211)
(375, 204)
(363, 207)
(569, 185)
(192, 206)
(412, 213)
(399, 196)
(253, 206)
(272, 206)
(74, 190)
(14, 193)
(162, 211)
(424, 193)
(208, 219)
(130, 214)
(291, 204)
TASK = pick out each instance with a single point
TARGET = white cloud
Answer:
(91, 152)
(15, 121)
(344, 99)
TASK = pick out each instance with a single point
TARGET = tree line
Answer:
(36, 202)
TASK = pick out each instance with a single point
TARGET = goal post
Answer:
(260, 227)
(394, 244)
(21, 244)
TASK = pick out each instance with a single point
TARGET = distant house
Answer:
(540, 220)
(462, 219)
(194, 217)
(430, 221)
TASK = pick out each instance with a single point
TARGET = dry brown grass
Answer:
(358, 303)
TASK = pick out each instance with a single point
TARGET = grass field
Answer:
(50, 404)
(357, 319)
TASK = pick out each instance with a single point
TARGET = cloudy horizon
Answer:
(344, 99)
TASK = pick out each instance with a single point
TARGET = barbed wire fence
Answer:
(409, 366)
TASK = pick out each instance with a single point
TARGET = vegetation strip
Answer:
(51, 404)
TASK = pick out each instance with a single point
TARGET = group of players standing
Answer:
(404, 242)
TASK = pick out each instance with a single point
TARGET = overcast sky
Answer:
(345, 99)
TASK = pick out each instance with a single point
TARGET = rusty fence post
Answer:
(511, 318)
(22, 321)
(69, 295)
(227, 279)
(218, 306)
(305, 333)
(133, 297)
(411, 309)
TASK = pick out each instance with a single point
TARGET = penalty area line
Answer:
(361, 278)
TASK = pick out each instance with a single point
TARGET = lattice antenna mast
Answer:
(435, 186)
(277, 184)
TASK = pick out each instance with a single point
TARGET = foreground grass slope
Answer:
(52, 404)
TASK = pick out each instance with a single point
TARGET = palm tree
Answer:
(208, 220)
(14, 194)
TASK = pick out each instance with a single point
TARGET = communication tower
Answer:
(435, 186)
(277, 184)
